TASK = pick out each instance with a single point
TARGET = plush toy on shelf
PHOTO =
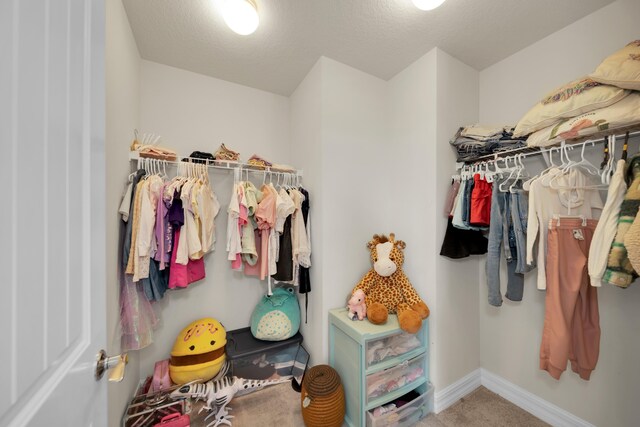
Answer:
(356, 305)
(387, 288)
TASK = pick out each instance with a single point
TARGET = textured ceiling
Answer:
(380, 37)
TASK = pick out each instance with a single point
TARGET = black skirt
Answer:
(284, 264)
(460, 243)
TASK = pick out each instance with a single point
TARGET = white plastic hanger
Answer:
(557, 218)
(585, 164)
(236, 177)
(145, 166)
(463, 173)
(488, 174)
(527, 184)
(480, 169)
(522, 172)
(558, 170)
(497, 169)
(605, 176)
(468, 173)
(567, 160)
(512, 171)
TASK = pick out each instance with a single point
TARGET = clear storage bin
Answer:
(395, 345)
(392, 379)
(255, 359)
(406, 415)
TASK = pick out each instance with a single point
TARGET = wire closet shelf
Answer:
(599, 137)
(221, 165)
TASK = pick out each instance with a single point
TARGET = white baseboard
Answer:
(448, 396)
(531, 403)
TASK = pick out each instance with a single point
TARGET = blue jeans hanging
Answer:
(502, 234)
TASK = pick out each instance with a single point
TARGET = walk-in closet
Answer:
(320, 213)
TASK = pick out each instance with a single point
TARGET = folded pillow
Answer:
(617, 116)
(622, 69)
(575, 98)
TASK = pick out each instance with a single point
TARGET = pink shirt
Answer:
(266, 218)
(180, 276)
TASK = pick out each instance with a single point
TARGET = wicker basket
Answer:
(322, 397)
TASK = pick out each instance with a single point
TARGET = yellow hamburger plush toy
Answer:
(198, 352)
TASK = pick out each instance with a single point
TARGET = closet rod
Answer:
(219, 164)
(530, 151)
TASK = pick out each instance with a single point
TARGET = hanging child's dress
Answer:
(137, 318)
(250, 238)
(234, 243)
(300, 244)
(284, 264)
(181, 275)
(304, 279)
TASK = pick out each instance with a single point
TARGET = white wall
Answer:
(458, 333)
(122, 114)
(338, 134)
(196, 112)
(336, 131)
(306, 151)
(510, 335)
(412, 106)
(380, 160)
(427, 102)
(355, 178)
(509, 88)
(376, 154)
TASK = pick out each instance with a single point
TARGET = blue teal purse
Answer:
(276, 317)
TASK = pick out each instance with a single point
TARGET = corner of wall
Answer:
(457, 86)
(306, 153)
(122, 113)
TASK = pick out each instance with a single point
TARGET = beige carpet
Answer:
(279, 406)
(482, 408)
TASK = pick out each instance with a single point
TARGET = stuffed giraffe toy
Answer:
(388, 289)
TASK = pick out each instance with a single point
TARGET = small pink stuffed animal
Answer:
(356, 306)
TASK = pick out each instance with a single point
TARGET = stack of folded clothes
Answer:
(259, 162)
(474, 141)
(225, 154)
(199, 157)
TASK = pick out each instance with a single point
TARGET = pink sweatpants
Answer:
(571, 320)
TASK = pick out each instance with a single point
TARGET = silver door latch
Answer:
(115, 364)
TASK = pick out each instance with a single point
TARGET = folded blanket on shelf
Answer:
(484, 133)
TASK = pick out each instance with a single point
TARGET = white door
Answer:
(52, 212)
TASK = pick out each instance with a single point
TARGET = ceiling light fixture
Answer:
(427, 4)
(240, 15)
